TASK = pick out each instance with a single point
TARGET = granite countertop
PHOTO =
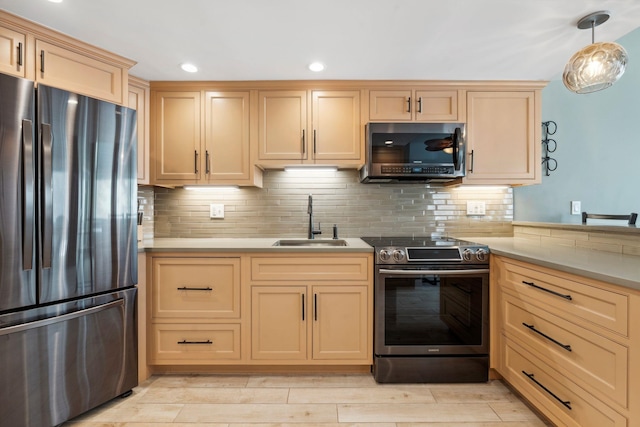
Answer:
(245, 245)
(619, 269)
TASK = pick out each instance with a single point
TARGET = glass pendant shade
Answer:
(595, 67)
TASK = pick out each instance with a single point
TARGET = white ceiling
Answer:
(356, 39)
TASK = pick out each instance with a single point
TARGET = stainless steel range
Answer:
(431, 310)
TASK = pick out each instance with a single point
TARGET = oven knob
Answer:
(385, 255)
(467, 254)
(398, 255)
(481, 255)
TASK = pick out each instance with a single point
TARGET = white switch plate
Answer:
(476, 207)
(216, 210)
(576, 208)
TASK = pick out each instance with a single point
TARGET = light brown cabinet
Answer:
(316, 127)
(139, 101)
(317, 311)
(419, 105)
(503, 137)
(195, 310)
(202, 137)
(12, 52)
(51, 58)
(567, 343)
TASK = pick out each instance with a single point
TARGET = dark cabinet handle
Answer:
(302, 306)
(409, 105)
(207, 169)
(566, 403)
(471, 165)
(314, 142)
(195, 161)
(195, 342)
(20, 54)
(186, 288)
(558, 294)
(42, 61)
(420, 105)
(315, 307)
(533, 328)
(304, 148)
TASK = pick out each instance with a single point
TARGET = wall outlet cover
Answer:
(216, 210)
(476, 207)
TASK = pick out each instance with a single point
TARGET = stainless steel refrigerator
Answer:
(68, 253)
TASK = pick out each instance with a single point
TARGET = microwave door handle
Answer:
(456, 149)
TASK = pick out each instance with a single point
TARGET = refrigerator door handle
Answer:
(28, 194)
(62, 318)
(47, 199)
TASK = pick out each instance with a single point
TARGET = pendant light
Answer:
(596, 66)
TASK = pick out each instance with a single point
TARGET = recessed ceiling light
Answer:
(189, 68)
(55, 1)
(316, 66)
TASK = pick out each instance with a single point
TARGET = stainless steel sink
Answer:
(311, 242)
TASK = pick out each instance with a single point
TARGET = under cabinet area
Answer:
(419, 105)
(569, 344)
(259, 309)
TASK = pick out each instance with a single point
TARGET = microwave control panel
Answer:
(416, 169)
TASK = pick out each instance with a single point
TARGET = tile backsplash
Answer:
(280, 209)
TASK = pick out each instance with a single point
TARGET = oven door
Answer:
(431, 311)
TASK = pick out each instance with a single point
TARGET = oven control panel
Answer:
(407, 255)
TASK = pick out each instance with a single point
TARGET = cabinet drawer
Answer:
(568, 297)
(195, 342)
(594, 362)
(586, 411)
(325, 268)
(196, 287)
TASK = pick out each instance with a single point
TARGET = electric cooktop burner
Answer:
(408, 250)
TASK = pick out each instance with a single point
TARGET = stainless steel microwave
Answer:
(430, 152)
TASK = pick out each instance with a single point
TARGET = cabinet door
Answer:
(69, 70)
(340, 323)
(437, 106)
(282, 125)
(177, 137)
(12, 52)
(336, 125)
(227, 135)
(139, 101)
(278, 322)
(503, 136)
(390, 105)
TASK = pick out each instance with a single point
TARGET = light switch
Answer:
(576, 208)
(216, 210)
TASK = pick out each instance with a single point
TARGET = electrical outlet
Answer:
(476, 207)
(216, 210)
(576, 208)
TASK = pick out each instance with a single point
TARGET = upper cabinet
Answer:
(48, 57)
(12, 52)
(310, 127)
(419, 105)
(202, 137)
(503, 137)
(139, 101)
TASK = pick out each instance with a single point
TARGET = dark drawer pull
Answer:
(533, 328)
(185, 288)
(558, 294)
(566, 403)
(195, 342)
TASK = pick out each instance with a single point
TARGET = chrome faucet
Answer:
(312, 231)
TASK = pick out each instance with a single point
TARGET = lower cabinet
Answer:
(568, 344)
(255, 310)
(330, 320)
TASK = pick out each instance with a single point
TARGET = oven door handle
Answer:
(435, 272)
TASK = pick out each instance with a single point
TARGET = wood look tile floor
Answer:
(340, 400)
